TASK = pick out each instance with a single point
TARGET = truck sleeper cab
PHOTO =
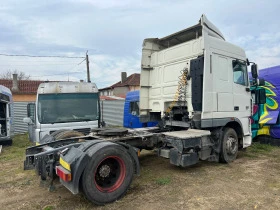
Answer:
(195, 79)
(196, 84)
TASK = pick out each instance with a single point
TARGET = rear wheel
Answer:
(229, 147)
(65, 134)
(54, 134)
(108, 175)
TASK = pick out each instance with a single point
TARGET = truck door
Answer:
(32, 123)
(221, 67)
(241, 94)
(134, 115)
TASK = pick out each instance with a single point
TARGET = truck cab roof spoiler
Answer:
(190, 33)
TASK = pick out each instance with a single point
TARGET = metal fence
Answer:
(112, 112)
(20, 112)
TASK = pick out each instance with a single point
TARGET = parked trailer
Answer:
(196, 84)
(6, 116)
(265, 118)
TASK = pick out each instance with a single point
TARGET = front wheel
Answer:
(229, 146)
(108, 175)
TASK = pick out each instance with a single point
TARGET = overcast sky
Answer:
(113, 31)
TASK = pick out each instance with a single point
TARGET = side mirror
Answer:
(31, 111)
(261, 82)
(27, 120)
(254, 70)
(260, 96)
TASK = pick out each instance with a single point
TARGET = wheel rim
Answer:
(110, 174)
(232, 145)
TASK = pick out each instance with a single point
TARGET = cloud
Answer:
(113, 32)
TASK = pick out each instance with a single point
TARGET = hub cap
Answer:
(231, 145)
(110, 174)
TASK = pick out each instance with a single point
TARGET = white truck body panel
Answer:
(164, 59)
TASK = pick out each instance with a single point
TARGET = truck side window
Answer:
(134, 108)
(240, 75)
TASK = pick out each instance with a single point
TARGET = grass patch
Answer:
(17, 150)
(258, 148)
(11, 159)
(48, 208)
(163, 181)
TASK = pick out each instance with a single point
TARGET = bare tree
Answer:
(9, 75)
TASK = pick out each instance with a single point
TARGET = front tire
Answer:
(229, 146)
(108, 175)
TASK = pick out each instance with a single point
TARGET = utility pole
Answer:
(87, 62)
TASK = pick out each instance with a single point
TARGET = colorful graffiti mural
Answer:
(265, 119)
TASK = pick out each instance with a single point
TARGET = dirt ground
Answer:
(250, 182)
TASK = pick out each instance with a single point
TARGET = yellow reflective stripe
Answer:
(64, 164)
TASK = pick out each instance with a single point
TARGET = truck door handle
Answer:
(236, 108)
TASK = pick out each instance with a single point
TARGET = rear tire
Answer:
(229, 146)
(108, 175)
(54, 134)
(65, 134)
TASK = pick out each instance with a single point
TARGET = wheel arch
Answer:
(237, 126)
(88, 150)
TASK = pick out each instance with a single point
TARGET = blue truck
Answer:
(131, 112)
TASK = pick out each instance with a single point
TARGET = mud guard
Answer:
(78, 158)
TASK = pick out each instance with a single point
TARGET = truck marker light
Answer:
(64, 164)
(63, 173)
(138, 152)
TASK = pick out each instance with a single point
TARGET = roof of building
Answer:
(25, 86)
(132, 80)
(120, 97)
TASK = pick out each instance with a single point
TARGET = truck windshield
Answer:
(67, 107)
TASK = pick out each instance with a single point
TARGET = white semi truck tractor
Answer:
(196, 84)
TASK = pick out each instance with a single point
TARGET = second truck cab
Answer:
(131, 112)
(63, 105)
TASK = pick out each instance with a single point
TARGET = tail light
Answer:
(64, 174)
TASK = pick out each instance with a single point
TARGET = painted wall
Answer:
(266, 119)
(24, 97)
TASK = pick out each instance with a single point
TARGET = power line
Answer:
(75, 66)
(57, 74)
(81, 61)
(55, 64)
(35, 61)
(40, 56)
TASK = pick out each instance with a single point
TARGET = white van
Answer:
(6, 116)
